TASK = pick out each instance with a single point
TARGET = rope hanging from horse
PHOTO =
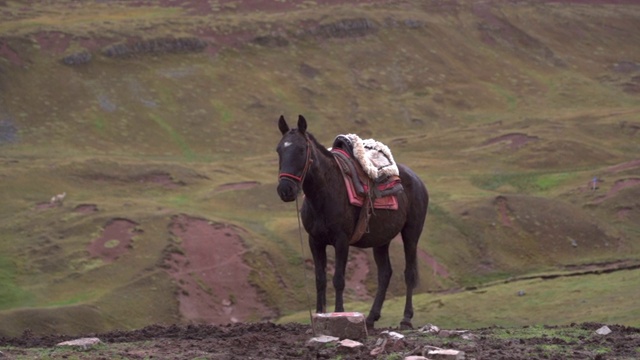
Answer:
(306, 290)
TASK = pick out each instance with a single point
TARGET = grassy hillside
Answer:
(506, 110)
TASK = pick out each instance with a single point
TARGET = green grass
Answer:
(11, 293)
(606, 298)
(176, 137)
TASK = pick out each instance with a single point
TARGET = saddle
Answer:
(370, 175)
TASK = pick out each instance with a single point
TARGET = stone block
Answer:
(320, 341)
(344, 325)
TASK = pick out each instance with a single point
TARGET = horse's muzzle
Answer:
(287, 190)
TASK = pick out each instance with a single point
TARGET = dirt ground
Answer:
(266, 340)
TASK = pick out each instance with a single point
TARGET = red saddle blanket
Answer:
(357, 198)
(389, 202)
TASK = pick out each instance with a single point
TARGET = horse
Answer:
(330, 219)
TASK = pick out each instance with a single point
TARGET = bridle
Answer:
(295, 178)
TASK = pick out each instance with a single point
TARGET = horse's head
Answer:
(294, 152)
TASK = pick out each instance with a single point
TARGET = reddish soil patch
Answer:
(8, 53)
(357, 271)
(115, 240)
(623, 213)
(622, 184)
(53, 41)
(503, 211)
(212, 276)
(624, 166)
(515, 140)
(617, 186)
(438, 269)
(46, 206)
(86, 208)
(244, 185)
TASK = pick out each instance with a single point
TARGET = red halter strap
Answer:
(307, 164)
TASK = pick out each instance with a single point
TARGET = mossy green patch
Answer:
(11, 293)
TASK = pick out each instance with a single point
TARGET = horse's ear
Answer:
(282, 125)
(302, 124)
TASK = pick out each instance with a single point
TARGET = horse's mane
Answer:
(323, 149)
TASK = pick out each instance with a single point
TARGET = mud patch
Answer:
(287, 341)
(86, 208)
(212, 277)
(115, 240)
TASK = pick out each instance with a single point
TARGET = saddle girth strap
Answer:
(363, 220)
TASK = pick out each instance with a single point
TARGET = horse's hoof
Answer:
(406, 325)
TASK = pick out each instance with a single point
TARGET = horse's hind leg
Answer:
(381, 255)
(410, 237)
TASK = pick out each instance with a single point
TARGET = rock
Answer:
(348, 346)
(347, 325)
(603, 331)
(345, 28)
(388, 341)
(77, 58)
(469, 336)
(320, 341)
(395, 341)
(155, 46)
(452, 333)
(350, 343)
(83, 342)
(430, 328)
(445, 354)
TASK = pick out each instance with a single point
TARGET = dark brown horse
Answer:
(330, 219)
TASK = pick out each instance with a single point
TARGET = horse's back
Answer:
(413, 186)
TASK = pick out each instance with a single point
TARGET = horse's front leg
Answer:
(381, 256)
(342, 256)
(319, 253)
